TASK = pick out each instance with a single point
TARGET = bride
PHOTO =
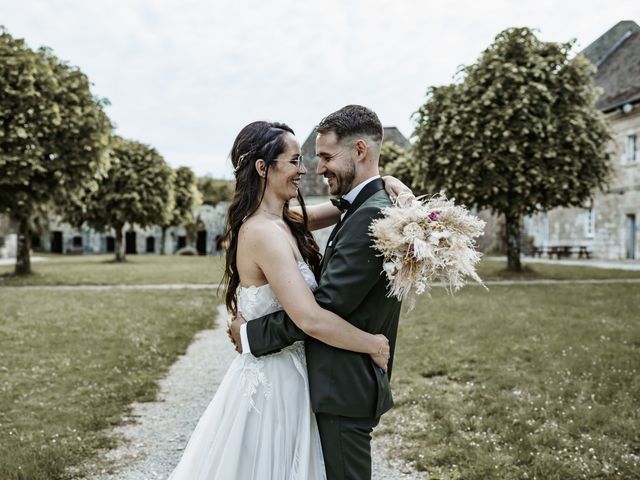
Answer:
(260, 424)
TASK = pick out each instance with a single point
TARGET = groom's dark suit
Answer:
(348, 392)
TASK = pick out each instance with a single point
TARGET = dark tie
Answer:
(341, 204)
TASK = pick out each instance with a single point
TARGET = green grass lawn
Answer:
(72, 362)
(159, 269)
(102, 270)
(520, 382)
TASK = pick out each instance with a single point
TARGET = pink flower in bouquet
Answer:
(433, 216)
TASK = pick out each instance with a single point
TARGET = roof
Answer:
(312, 184)
(598, 50)
(392, 134)
(616, 54)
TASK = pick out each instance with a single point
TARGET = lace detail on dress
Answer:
(255, 302)
(252, 376)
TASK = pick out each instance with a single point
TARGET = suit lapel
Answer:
(368, 190)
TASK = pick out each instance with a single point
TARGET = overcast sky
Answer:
(186, 76)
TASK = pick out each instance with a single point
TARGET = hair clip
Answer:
(240, 160)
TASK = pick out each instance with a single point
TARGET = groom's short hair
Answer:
(350, 121)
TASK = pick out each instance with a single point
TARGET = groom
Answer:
(348, 391)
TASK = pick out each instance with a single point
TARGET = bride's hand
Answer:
(398, 190)
(382, 352)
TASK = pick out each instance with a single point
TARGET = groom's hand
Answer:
(233, 330)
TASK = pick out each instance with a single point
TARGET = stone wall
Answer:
(609, 233)
(493, 239)
(210, 219)
(8, 238)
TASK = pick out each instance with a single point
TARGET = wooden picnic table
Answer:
(561, 251)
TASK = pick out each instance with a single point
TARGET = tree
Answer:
(215, 190)
(389, 153)
(138, 189)
(518, 134)
(53, 136)
(396, 161)
(187, 200)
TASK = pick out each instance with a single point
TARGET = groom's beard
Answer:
(343, 181)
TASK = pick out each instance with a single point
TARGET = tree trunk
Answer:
(191, 231)
(163, 241)
(512, 221)
(120, 251)
(23, 255)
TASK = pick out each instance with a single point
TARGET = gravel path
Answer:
(156, 432)
(12, 261)
(594, 262)
(209, 286)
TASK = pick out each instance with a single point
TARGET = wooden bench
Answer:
(561, 251)
(537, 251)
(583, 252)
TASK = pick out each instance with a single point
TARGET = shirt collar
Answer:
(351, 196)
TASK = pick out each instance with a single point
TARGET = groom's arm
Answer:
(269, 334)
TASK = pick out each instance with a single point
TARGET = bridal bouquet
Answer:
(429, 240)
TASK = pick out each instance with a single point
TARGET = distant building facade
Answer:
(8, 238)
(607, 226)
(395, 136)
(61, 237)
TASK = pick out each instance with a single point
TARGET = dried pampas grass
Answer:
(427, 241)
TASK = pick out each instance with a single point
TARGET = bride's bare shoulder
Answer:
(257, 224)
(256, 230)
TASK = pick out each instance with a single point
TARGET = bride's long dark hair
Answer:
(260, 140)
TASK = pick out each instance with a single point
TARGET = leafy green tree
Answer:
(53, 136)
(389, 153)
(215, 190)
(396, 161)
(518, 134)
(138, 189)
(187, 200)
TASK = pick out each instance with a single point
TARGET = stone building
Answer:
(312, 185)
(607, 226)
(61, 237)
(8, 237)
(393, 135)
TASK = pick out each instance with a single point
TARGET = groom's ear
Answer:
(361, 148)
(261, 167)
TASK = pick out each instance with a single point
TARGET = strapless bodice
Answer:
(255, 302)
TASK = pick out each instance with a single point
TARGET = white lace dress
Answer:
(259, 425)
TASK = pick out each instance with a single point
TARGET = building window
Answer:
(545, 230)
(590, 223)
(630, 148)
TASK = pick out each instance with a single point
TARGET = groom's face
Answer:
(335, 162)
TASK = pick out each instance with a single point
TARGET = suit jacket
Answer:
(353, 286)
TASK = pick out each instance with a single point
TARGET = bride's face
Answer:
(284, 175)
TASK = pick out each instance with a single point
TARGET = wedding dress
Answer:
(259, 425)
